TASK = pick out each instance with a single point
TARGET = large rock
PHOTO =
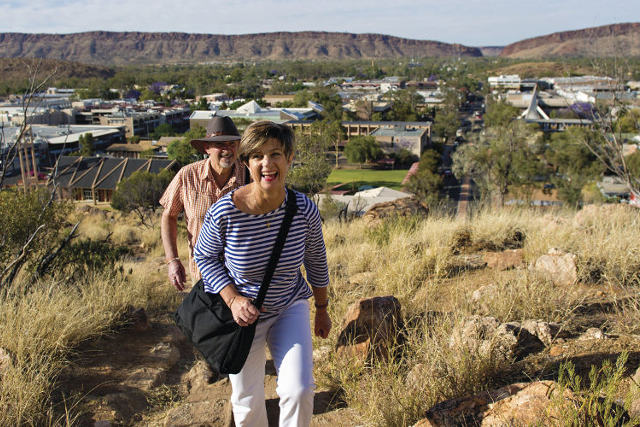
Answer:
(505, 260)
(515, 404)
(488, 337)
(544, 331)
(370, 326)
(406, 207)
(558, 267)
(146, 378)
(198, 379)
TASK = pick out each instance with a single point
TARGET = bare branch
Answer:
(44, 264)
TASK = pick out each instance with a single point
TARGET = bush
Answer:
(140, 193)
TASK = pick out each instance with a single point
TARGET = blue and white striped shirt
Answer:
(247, 242)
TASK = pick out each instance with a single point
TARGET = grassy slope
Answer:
(375, 178)
(410, 259)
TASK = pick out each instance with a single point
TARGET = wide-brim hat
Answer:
(219, 129)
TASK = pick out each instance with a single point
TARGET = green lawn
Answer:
(375, 178)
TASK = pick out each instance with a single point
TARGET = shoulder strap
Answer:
(290, 210)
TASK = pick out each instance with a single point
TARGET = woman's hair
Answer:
(258, 133)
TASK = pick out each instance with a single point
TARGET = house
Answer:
(394, 139)
(96, 178)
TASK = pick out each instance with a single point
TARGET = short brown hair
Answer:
(258, 133)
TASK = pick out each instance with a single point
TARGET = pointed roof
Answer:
(251, 107)
(533, 111)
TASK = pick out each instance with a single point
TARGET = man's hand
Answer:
(322, 324)
(177, 275)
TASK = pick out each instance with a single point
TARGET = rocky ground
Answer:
(147, 374)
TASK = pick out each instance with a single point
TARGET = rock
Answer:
(5, 360)
(531, 405)
(634, 409)
(467, 410)
(165, 354)
(558, 267)
(146, 378)
(123, 407)
(592, 334)
(489, 338)
(369, 327)
(505, 260)
(515, 404)
(365, 278)
(484, 293)
(199, 377)
(459, 264)
(545, 332)
(409, 206)
(102, 423)
(321, 353)
(636, 376)
(414, 378)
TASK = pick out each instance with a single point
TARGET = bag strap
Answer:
(290, 210)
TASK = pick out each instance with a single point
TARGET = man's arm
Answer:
(169, 233)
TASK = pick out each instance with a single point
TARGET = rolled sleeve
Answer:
(172, 199)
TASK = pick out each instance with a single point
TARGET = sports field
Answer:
(374, 178)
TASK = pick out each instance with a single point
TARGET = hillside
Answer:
(13, 71)
(604, 41)
(118, 48)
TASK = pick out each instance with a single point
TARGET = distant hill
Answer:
(119, 48)
(604, 41)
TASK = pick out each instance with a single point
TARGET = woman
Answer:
(243, 226)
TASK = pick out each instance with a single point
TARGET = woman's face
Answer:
(268, 165)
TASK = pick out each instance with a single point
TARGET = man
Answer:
(195, 188)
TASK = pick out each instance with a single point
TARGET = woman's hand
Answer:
(243, 310)
(322, 324)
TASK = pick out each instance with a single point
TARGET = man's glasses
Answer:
(221, 145)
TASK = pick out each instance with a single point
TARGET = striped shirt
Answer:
(194, 190)
(247, 242)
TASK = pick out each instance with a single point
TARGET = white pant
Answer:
(289, 339)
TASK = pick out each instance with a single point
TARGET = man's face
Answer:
(222, 154)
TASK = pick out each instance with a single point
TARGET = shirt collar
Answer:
(206, 174)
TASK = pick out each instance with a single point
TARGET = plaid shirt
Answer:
(193, 190)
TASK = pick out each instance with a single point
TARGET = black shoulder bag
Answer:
(208, 323)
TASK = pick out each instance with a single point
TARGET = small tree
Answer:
(181, 150)
(311, 168)
(427, 183)
(140, 193)
(85, 141)
(362, 149)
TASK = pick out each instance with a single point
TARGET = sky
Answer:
(469, 22)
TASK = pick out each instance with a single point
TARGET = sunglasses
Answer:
(221, 144)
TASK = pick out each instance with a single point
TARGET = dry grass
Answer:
(410, 259)
(40, 329)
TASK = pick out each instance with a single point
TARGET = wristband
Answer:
(233, 298)
(172, 260)
(325, 305)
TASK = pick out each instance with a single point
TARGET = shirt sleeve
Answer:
(208, 252)
(315, 253)
(172, 197)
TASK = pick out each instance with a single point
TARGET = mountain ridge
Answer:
(621, 39)
(119, 48)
